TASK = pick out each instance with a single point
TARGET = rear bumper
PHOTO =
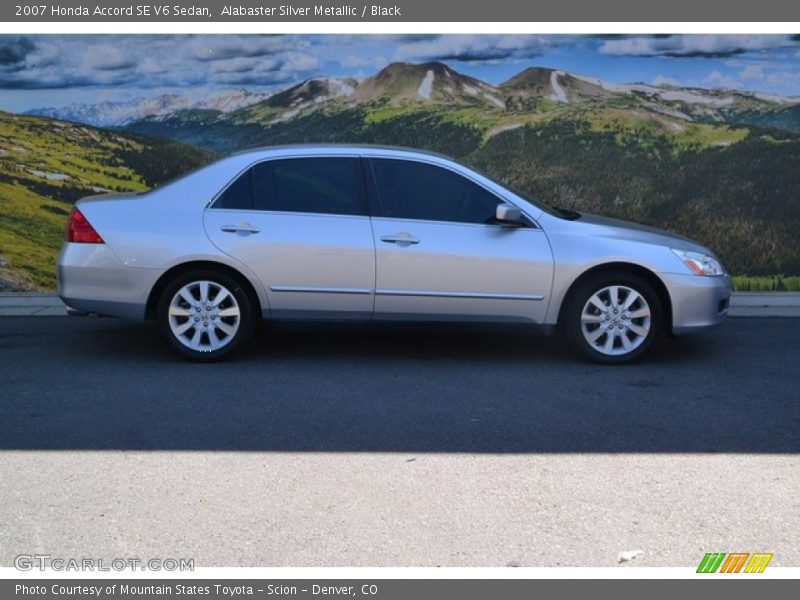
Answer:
(91, 279)
(697, 302)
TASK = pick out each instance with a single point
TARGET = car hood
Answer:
(616, 228)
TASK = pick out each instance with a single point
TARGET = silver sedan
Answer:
(359, 232)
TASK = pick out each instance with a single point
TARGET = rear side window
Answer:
(239, 194)
(313, 185)
(416, 190)
(308, 185)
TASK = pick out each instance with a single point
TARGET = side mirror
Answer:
(508, 214)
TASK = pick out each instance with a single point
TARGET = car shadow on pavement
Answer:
(96, 384)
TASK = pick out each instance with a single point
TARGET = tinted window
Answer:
(239, 194)
(314, 185)
(414, 190)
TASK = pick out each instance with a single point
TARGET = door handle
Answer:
(240, 228)
(400, 238)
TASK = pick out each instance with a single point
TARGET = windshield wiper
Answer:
(566, 213)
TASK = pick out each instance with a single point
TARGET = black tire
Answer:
(232, 343)
(580, 297)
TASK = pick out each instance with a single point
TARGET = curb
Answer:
(743, 304)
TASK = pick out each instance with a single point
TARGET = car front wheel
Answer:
(205, 315)
(614, 318)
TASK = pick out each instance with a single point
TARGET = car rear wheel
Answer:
(205, 315)
(614, 318)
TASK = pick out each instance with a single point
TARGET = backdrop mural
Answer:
(699, 134)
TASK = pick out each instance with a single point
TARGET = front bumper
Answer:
(92, 279)
(697, 302)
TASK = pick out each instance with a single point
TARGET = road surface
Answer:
(397, 446)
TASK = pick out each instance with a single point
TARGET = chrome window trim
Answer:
(383, 153)
(476, 295)
(318, 290)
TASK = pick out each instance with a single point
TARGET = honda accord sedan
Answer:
(373, 233)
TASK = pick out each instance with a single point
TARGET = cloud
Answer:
(752, 72)
(300, 61)
(108, 58)
(152, 61)
(719, 80)
(14, 50)
(351, 61)
(473, 48)
(691, 45)
(223, 47)
(784, 78)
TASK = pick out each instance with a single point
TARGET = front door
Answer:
(439, 253)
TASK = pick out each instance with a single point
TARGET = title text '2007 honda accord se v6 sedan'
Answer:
(359, 232)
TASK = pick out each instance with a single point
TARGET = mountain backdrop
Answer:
(716, 165)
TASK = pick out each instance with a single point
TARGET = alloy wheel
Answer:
(616, 320)
(204, 316)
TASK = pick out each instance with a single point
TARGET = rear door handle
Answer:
(240, 228)
(400, 238)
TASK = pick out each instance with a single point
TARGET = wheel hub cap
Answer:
(204, 316)
(616, 320)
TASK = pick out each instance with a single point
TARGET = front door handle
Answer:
(240, 228)
(400, 238)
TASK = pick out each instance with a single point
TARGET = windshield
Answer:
(561, 213)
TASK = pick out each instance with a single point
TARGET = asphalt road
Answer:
(397, 446)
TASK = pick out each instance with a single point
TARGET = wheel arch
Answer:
(174, 271)
(615, 267)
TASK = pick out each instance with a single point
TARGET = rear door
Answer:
(441, 255)
(301, 225)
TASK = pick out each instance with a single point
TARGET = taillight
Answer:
(79, 230)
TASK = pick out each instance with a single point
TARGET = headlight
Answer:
(700, 264)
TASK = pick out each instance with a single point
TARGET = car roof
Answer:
(369, 149)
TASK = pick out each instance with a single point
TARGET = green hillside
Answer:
(46, 165)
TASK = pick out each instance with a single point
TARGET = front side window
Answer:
(415, 190)
(308, 185)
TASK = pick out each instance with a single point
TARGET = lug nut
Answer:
(196, 319)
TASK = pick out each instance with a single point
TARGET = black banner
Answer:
(386, 589)
(401, 11)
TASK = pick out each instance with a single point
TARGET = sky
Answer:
(57, 70)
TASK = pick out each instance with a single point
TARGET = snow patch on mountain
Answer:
(692, 98)
(559, 95)
(668, 95)
(777, 99)
(111, 113)
(495, 100)
(426, 87)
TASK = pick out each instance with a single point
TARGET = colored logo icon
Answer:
(734, 562)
